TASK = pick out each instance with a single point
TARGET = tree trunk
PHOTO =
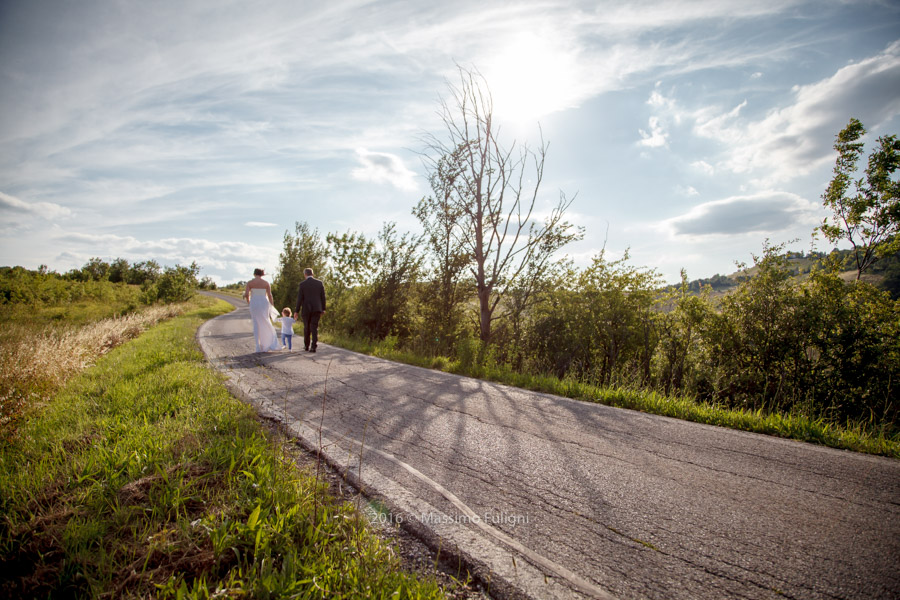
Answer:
(484, 302)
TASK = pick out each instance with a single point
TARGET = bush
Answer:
(467, 350)
(174, 285)
(603, 329)
(32, 295)
(823, 348)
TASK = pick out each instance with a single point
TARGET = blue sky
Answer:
(689, 131)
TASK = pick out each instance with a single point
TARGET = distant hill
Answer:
(884, 274)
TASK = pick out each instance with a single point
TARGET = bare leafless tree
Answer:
(493, 191)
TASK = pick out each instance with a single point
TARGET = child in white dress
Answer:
(287, 328)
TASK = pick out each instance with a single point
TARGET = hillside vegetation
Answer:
(885, 274)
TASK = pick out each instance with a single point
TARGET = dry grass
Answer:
(34, 361)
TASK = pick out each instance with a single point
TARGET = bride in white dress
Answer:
(259, 295)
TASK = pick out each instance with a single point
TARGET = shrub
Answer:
(176, 284)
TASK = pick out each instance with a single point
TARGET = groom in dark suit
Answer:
(311, 307)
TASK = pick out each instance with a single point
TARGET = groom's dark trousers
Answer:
(311, 330)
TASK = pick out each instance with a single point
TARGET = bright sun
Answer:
(530, 78)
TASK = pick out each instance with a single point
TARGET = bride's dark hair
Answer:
(259, 272)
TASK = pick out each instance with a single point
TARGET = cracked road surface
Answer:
(560, 498)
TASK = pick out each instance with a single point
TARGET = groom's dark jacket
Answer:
(311, 297)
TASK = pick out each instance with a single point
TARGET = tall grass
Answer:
(36, 358)
(142, 476)
(857, 436)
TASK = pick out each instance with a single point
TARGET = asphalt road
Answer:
(559, 498)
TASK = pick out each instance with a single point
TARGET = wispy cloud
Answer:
(166, 246)
(260, 224)
(703, 167)
(687, 191)
(797, 138)
(46, 210)
(636, 16)
(656, 137)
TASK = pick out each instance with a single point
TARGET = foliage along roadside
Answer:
(817, 348)
(144, 476)
(32, 290)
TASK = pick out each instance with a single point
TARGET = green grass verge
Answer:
(859, 437)
(144, 477)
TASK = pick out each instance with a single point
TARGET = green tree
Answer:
(555, 339)
(118, 271)
(852, 349)
(176, 284)
(351, 267)
(351, 260)
(95, 269)
(680, 352)
(619, 314)
(866, 211)
(604, 328)
(758, 338)
(386, 306)
(492, 192)
(302, 249)
(444, 291)
(819, 347)
(144, 272)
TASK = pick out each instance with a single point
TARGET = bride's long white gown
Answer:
(262, 313)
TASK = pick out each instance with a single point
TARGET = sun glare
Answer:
(530, 78)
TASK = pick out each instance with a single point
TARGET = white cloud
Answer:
(791, 140)
(703, 166)
(225, 258)
(710, 123)
(166, 247)
(656, 138)
(688, 191)
(766, 212)
(47, 210)
(798, 138)
(660, 102)
(383, 167)
(260, 224)
(640, 16)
